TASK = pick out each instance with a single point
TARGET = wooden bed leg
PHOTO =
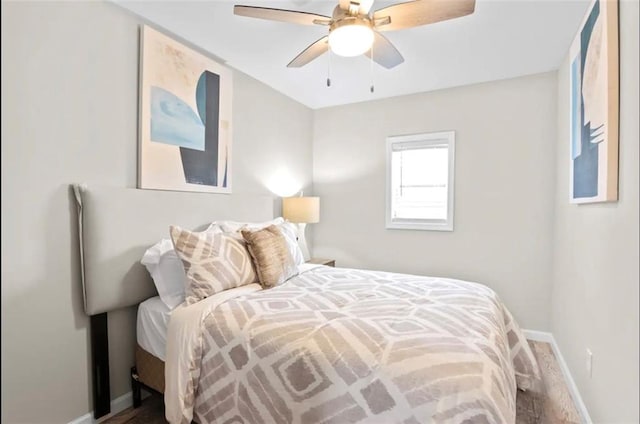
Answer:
(136, 389)
(100, 365)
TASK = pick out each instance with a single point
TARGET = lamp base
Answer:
(302, 241)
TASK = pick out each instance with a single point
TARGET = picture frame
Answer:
(185, 122)
(594, 106)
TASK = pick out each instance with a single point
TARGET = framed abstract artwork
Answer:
(185, 118)
(594, 103)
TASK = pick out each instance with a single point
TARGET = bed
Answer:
(344, 345)
(336, 345)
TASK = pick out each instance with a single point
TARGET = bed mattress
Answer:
(151, 327)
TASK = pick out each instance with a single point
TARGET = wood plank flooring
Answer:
(548, 403)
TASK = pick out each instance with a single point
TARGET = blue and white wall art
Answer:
(594, 85)
(185, 118)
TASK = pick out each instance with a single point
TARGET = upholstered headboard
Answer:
(117, 225)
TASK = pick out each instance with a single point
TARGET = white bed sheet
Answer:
(152, 325)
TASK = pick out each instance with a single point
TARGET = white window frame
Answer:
(425, 139)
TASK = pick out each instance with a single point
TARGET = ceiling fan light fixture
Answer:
(355, 29)
(351, 37)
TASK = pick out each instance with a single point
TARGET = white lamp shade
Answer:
(301, 209)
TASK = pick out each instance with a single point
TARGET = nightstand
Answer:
(320, 261)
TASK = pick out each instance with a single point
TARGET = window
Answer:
(420, 181)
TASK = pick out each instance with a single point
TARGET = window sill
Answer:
(421, 226)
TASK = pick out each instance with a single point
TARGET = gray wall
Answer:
(595, 290)
(504, 185)
(69, 114)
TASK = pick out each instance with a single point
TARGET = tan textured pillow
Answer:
(271, 256)
(213, 262)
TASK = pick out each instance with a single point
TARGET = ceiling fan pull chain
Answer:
(371, 68)
(329, 70)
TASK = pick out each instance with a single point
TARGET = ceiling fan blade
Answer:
(385, 53)
(282, 15)
(312, 52)
(365, 7)
(422, 12)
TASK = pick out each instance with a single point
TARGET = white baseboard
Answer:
(118, 405)
(538, 336)
(544, 336)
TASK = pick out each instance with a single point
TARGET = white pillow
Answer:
(167, 272)
(216, 227)
(236, 226)
(289, 231)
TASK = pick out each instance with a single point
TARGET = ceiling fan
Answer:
(354, 29)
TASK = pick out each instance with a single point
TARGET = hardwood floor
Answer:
(151, 412)
(548, 403)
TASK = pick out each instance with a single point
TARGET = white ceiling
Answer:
(501, 39)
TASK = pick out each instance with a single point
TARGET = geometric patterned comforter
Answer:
(336, 345)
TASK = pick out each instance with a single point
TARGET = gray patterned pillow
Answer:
(213, 262)
(271, 256)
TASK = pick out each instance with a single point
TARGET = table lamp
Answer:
(302, 211)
